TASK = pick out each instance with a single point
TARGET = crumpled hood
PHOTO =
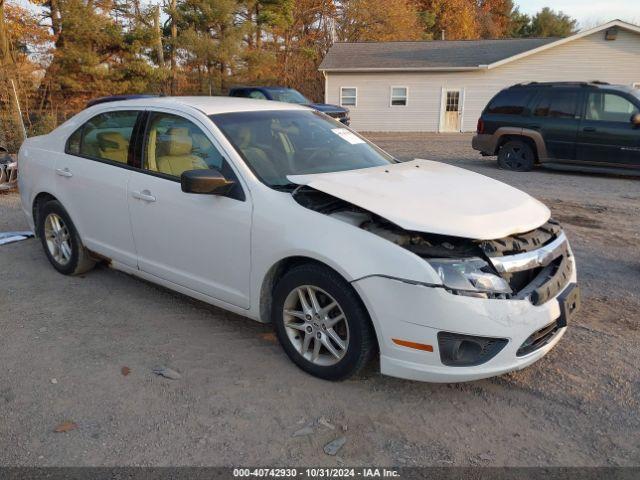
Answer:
(434, 197)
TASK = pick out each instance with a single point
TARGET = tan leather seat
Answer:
(176, 157)
(113, 146)
(256, 156)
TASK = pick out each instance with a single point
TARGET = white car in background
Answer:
(284, 215)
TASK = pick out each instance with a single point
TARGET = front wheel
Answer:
(321, 323)
(517, 156)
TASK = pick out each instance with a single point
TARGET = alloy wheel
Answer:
(316, 325)
(58, 239)
(517, 157)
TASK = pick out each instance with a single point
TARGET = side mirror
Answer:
(635, 120)
(207, 182)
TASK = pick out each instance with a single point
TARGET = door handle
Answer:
(589, 129)
(64, 172)
(144, 195)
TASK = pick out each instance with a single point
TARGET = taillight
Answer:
(480, 128)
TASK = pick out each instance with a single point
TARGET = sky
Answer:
(588, 12)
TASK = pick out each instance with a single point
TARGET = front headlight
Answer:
(470, 276)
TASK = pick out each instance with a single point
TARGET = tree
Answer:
(548, 23)
(495, 17)
(211, 39)
(453, 19)
(373, 20)
(519, 24)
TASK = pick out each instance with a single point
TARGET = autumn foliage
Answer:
(60, 53)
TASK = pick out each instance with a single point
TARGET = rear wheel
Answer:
(61, 241)
(321, 323)
(516, 155)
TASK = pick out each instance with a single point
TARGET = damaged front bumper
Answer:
(418, 313)
(500, 334)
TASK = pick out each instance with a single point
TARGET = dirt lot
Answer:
(64, 342)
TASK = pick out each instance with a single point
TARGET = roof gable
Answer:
(447, 55)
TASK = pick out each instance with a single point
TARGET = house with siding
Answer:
(443, 86)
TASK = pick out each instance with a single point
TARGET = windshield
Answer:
(296, 142)
(288, 95)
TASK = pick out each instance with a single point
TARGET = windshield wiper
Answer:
(285, 187)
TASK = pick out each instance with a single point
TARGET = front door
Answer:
(92, 180)
(606, 134)
(201, 242)
(452, 110)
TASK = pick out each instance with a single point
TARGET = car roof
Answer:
(207, 105)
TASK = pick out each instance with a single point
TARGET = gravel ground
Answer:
(64, 342)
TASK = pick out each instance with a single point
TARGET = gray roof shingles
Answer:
(426, 54)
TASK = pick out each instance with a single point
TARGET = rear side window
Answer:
(105, 137)
(557, 104)
(509, 102)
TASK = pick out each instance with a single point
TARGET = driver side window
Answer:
(609, 107)
(257, 94)
(174, 145)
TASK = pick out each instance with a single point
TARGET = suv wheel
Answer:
(61, 241)
(516, 155)
(321, 323)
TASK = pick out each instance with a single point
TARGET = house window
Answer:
(348, 96)
(399, 96)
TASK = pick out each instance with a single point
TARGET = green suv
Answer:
(569, 126)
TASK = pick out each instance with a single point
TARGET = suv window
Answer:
(105, 137)
(557, 104)
(174, 145)
(609, 107)
(509, 102)
(257, 94)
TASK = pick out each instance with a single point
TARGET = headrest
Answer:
(112, 141)
(244, 136)
(177, 141)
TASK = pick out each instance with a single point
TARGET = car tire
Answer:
(61, 241)
(516, 155)
(332, 343)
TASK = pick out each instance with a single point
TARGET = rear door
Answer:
(91, 183)
(607, 135)
(556, 116)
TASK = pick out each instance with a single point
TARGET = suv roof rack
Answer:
(116, 98)
(562, 84)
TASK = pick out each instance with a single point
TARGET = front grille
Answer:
(537, 264)
(538, 339)
(337, 115)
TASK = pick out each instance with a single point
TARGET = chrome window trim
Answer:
(528, 260)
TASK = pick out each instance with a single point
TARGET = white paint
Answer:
(434, 197)
(221, 250)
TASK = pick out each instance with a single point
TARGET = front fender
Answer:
(282, 228)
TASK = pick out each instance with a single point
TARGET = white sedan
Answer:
(284, 215)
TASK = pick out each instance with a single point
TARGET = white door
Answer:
(92, 184)
(201, 242)
(451, 110)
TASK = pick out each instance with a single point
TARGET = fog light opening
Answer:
(466, 350)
